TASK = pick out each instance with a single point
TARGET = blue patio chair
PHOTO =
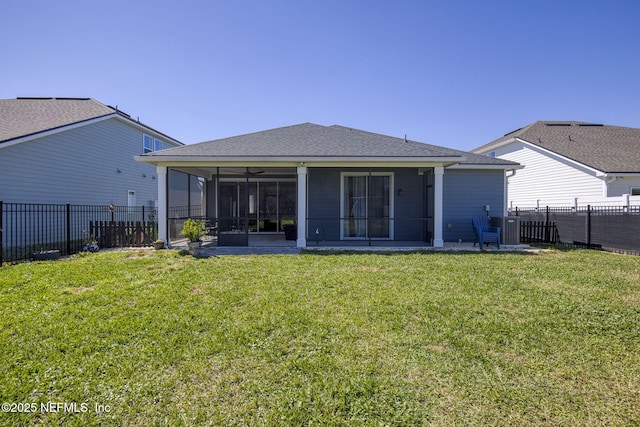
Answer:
(484, 232)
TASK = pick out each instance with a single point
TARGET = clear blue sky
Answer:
(452, 73)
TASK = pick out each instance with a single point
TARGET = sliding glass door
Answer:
(366, 206)
(257, 206)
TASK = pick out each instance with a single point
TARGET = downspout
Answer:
(506, 191)
(608, 179)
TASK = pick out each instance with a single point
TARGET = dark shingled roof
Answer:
(312, 140)
(23, 117)
(26, 116)
(606, 148)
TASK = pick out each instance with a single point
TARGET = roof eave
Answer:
(494, 146)
(487, 166)
(55, 130)
(296, 160)
(148, 129)
(70, 126)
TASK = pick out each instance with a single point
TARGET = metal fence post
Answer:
(1, 249)
(68, 229)
(589, 226)
(546, 227)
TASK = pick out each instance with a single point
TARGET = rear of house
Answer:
(336, 186)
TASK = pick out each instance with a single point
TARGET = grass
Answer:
(155, 338)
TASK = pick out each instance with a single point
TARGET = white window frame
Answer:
(147, 149)
(343, 175)
(154, 145)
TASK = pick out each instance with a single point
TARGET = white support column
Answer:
(162, 203)
(438, 192)
(302, 207)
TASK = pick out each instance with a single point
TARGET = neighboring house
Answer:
(340, 186)
(568, 160)
(76, 150)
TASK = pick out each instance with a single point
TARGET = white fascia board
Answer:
(620, 174)
(309, 161)
(55, 131)
(493, 147)
(148, 130)
(487, 167)
(538, 148)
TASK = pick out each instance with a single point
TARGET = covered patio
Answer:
(262, 206)
(327, 186)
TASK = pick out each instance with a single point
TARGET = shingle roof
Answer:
(23, 117)
(312, 140)
(26, 116)
(604, 147)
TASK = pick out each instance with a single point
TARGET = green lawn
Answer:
(156, 338)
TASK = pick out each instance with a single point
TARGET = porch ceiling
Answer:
(253, 171)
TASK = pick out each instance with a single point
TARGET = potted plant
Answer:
(194, 231)
(158, 244)
(90, 243)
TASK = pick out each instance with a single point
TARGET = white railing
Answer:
(625, 201)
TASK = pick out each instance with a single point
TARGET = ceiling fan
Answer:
(257, 172)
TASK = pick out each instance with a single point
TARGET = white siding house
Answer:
(568, 163)
(75, 150)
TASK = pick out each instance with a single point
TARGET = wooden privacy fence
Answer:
(113, 234)
(539, 232)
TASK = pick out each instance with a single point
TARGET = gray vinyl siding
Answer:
(79, 166)
(323, 203)
(466, 193)
(323, 209)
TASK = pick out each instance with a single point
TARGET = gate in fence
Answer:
(539, 232)
(112, 234)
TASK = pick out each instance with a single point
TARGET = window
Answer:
(149, 144)
(367, 202)
(131, 198)
(491, 154)
(635, 191)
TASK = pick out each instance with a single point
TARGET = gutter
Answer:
(294, 161)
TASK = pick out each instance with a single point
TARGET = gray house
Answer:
(76, 150)
(333, 185)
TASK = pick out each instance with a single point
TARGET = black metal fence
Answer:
(610, 227)
(27, 228)
(177, 215)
